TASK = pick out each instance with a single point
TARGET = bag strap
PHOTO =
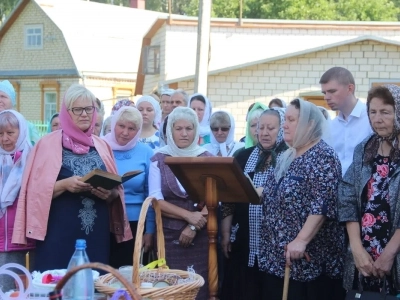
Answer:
(383, 292)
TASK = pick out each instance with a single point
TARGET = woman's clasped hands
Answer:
(370, 268)
(198, 220)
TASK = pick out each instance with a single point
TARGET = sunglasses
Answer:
(223, 129)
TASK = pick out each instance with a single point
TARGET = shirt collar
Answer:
(357, 110)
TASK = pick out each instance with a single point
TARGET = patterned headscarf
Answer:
(121, 103)
(280, 145)
(7, 88)
(371, 149)
(73, 138)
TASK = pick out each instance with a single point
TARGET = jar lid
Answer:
(146, 285)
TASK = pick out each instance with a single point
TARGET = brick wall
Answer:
(54, 55)
(235, 90)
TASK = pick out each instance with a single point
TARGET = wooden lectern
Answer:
(213, 180)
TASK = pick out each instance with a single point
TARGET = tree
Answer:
(6, 6)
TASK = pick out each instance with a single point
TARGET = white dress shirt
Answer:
(345, 135)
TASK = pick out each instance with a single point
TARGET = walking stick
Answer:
(287, 276)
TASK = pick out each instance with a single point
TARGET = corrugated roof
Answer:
(101, 37)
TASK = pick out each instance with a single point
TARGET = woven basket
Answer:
(184, 291)
(128, 286)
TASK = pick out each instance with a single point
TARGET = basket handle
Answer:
(139, 236)
(130, 288)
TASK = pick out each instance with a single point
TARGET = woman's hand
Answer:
(74, 185)
(147, 242)
(383, 265)
(187, 236)
(363, 261)
(196, 219)
(295, 250)
(107, 195)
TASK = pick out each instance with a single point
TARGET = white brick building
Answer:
(264, 59)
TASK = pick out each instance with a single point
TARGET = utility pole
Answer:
(203, 46)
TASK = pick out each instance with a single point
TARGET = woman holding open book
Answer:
(55, 207)
(184, 225)
(126, 126)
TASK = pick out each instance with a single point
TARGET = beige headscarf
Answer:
(310, 128)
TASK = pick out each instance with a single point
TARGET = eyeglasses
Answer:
(223, 129)
(77, 111)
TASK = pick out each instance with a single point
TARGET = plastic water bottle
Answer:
(80, 286)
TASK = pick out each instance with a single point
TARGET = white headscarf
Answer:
(194, 150)
(156, 107)
(11, 173)
(327, 133)
(205, 122)
(214, 146)
(310, 128)
(110, 137)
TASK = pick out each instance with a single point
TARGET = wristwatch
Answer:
(192, 227)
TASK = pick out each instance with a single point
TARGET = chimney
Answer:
(141, 4)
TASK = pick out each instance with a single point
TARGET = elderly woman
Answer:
(106, 129)
(8, 100)
(240, 242)
(126, 126)
(202, 106)
(151, 113)
(300, 212)
(15, 147)
(222, 126)
(54, 123)
(55, 207)
(186, 240)
(369, 197)
(250, 139)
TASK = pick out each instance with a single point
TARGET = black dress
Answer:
(75, 216)
(240, 281)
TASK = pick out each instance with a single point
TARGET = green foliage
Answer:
(340, 10)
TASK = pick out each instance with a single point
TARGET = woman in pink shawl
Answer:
(75, 210)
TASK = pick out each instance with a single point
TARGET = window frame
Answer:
(155, 52)
(33, 26)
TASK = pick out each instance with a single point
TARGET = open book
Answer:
(106, 180)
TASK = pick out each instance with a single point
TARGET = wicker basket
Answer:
(128, 286)
(183, 291)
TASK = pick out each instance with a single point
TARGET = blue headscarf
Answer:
(8, 89)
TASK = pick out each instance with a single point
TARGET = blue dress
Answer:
(75, 216)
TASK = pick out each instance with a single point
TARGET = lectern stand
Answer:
(213, 180)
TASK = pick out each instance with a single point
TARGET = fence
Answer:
(40, 126)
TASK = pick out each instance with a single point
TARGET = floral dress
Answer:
(375, 223)
(309, 187)
(153, 141)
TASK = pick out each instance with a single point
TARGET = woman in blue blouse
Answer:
(126, 125)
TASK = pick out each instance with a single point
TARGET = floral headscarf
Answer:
(121, 103)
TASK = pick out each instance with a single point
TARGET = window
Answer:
(50, 105)
(151, 60)
(50, 90)
(34, 37)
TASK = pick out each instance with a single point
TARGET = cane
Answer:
(287, 276)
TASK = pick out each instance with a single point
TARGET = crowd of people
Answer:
(329, 188)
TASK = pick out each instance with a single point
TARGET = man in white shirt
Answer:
(351, 126)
